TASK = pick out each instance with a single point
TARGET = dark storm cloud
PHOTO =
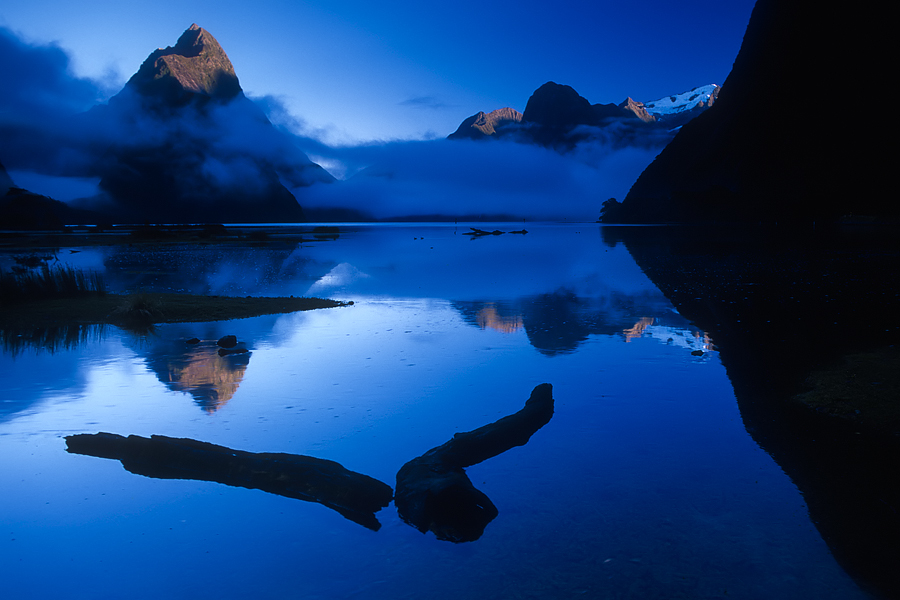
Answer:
(40, 97)
(38, 81)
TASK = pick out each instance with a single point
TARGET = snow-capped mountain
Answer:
(699, 97)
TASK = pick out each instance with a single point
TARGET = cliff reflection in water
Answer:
(558, 323)
(201, 371)
(490, 316)
(780, 305)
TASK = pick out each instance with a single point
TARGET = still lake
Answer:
(644, 484)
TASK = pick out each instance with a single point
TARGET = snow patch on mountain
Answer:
(679, 103)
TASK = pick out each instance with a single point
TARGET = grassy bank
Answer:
(28, 285)
(39, 296)
(147, 309)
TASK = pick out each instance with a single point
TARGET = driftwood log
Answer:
(434, 493)
(355, 496)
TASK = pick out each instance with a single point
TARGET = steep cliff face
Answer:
(193, 148)
(638, 109)
(751, 159)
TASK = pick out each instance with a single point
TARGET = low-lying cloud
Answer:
(49, 130)
(481, 178)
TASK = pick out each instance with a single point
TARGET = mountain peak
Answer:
(195, 65)
(483, 124)
(638, 109)
(557, 105)
(698, 97)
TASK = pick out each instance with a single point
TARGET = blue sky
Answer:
(353, 71)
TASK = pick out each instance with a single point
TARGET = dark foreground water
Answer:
(643, 484)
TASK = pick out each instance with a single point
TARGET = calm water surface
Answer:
(644, 484)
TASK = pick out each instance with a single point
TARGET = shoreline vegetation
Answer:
(34, 295)
(211, 233)
(135, 311)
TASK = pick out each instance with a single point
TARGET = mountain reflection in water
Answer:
(644, 484)
(560, 322)
(782, 304)
(200, 370)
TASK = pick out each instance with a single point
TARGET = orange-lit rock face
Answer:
(197, 64)
(638, 329)
(489, 318)
(211, 379)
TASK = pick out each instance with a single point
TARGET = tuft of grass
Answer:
(138, 312)
(46, 283)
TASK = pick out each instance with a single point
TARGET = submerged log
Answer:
(355, 496)
(434, 493)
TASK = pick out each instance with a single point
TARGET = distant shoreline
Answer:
(166, 234)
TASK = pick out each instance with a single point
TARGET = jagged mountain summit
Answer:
(196, 64)
(486, 124)
(188, 146)
(557, 116)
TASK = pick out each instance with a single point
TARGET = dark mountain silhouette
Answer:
(752, 159)
(192, 148)
(554, 111)
(23, 210)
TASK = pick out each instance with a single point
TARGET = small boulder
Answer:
(228, 341)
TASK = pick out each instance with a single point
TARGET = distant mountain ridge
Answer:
(555, 112)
